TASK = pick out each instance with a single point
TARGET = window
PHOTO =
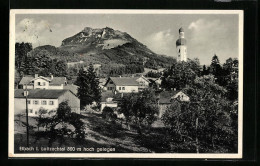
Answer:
(43, 83)
(36, 112)
(179, 50)
(123, 88)
(119, 88)
(44, 102)
(51, 103)
(28, 101)
(30, 111)
(39, 83)
(36, 102)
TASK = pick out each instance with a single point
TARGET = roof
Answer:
(177, 95)
(116, 97)
(73, 88)
(40, 93)
(124, 81)
(105, 95)
(181, 41)
(165, 96)
(181, 30)
(54, 81)
(146, 79)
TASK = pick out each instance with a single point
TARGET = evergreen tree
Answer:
(21, 50)
(204, 70)
(215, 67)
(89, 90)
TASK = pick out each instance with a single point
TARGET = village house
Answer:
(165, 99)
(126, 84)
(43, 99)
(107, 100)
(155, 82)
(181, 96)
(40, 82)
(102, 82)
(73, 64)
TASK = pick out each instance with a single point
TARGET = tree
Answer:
(181, 74)
(89, 90)
(21, 50)
(203, 124)
(108, 113)
(42, 112)
(205, 71)
(140, 108)
(43, 64)
(63, 124)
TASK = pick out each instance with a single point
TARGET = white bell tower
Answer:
(181, 47)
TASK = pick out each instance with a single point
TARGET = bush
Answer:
(108, 113)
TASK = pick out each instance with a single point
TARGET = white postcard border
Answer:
(11, 153)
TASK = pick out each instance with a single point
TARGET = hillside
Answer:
(108, 47)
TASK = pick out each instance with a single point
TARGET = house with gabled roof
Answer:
(126, 84)
(40, 82)
(121, 85)
(165, 99)
(48, 99)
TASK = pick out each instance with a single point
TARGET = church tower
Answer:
(181, 47)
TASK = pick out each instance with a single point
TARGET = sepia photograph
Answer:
(126, 83)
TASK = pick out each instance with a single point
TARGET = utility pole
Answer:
(27, 121)
(197, 141)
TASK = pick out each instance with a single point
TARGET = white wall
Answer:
(182, 96)
(182, 55)
(56, 86)
(41, 81)
(127, 89)
(142, 81)
(109, 85)
(28, 87)
(104, 104)
(20, 106)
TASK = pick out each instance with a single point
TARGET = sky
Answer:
(206, 34)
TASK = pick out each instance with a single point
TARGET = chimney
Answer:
(119, 76)
(36, 75)
(51, 77)
(26, 93)
(122, 95)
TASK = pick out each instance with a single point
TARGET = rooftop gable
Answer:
(41, 77)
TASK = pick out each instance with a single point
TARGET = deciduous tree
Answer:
(204, 123)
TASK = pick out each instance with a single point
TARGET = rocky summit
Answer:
(105, 38)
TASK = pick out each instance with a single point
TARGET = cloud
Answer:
(162, 42)
(210, 36)
(36, 32)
